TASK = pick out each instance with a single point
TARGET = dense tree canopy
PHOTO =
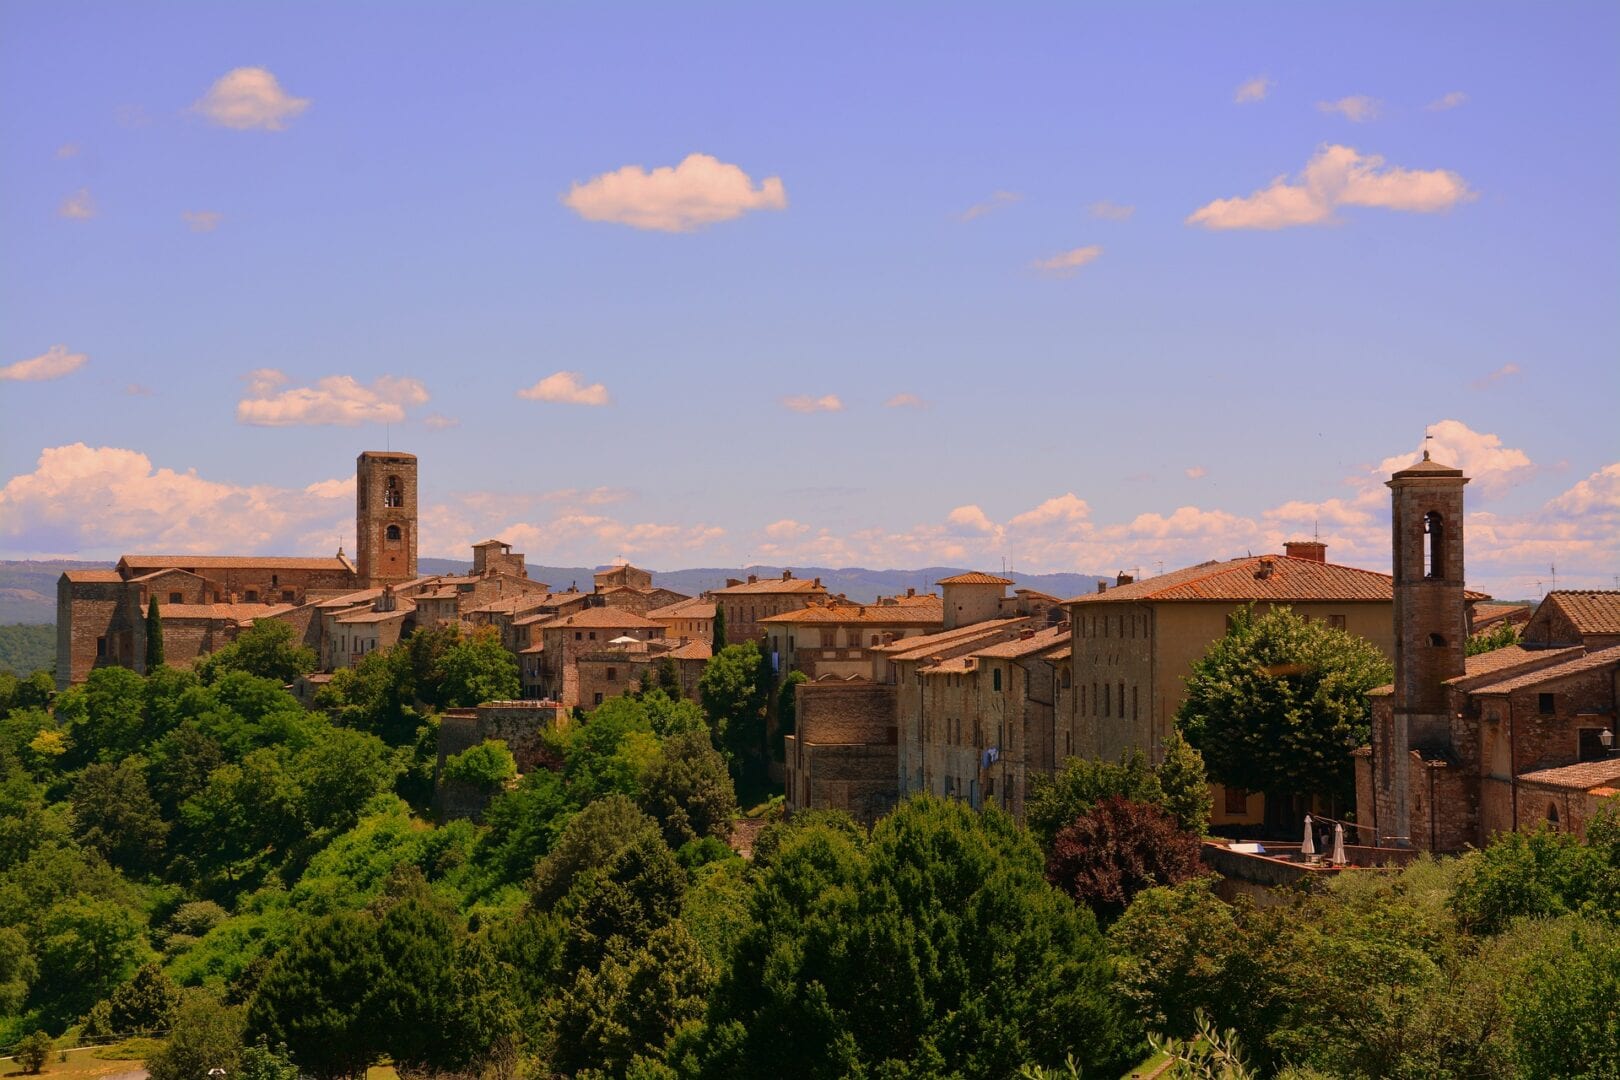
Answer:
(1278, 704)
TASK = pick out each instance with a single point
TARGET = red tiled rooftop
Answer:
(1036, 643)
(1583, 776)
(1592, 611)
(770, 586)
(907, 611)
(1275, 578)
(974, 577)
(1573, 666)
(234, 562)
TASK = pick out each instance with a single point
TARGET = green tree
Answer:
(523, 824)
(632, 1003)
(787, 711)
(154, 636)
(476, 669)
(487, 766)
(207, 1035)
(114, 813)
(1499, 636)
(17, 971)
(259, 1062)
(1278, 704)
(268, 649)
(318, 997)
(623, 901)
(145, 1004)
(593, 837)
(1054, 801)
(732, 699)
(1537, 875)
(718, 637)
(87, 947)
(1562, 1009)
(1185, 784)
(936, 949)
(415, 1002)
(34, 1051)
(1177, 952)
(688, 790)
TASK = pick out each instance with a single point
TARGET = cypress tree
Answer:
(154, 637)
(719, 628)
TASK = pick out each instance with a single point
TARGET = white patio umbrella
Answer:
(1308, 846)
(1338, 846)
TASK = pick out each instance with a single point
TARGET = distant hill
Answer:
(28, 588)
(27, 649)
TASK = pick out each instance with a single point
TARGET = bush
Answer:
(1104, 858)
(34, 1051)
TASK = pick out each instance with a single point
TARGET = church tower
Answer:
(385, 517)
(1431, 619)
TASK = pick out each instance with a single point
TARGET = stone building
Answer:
(564, 640)
(385, 517)
(1466, 747)
(745, 603)
(1134, 644)
(834, 636)
(691, 618)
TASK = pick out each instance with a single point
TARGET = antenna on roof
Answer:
(1553, 570)
(1316, 529)
(1426, 438)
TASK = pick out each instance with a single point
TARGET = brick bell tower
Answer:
(1431, 619)
(385, 517)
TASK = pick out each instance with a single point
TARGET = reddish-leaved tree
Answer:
(1105, 857)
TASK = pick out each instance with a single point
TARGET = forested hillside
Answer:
(27, 647)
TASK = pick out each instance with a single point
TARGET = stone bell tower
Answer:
(385, 517)
(1431, 618)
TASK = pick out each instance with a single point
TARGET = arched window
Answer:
(1437, 641)
(1552, 815)
(393, 533)
(393, 495)
(1434, 554)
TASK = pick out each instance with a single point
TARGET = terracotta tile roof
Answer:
(956, 665)
(1584, 776)
(1037, 594)
(234, 562)
(1019, 647)
(487, 543)
(691, 608)
(148, 576)
(1511, 658)
(224, 612)
(1063, 652)
(369, 616)
(1573, 666)
(1277, 578)
(612, 618)
(918, 648)
(100, 577)
(973, 577)
(772, 586)
(1592, 611)
(929, 611)
(696, 649)
(532, 649)
(364, 596)
(1492, 610)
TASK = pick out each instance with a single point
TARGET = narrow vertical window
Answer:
(1434, 552)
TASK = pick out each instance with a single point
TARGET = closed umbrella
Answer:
(1308, 847)
(1338, 845)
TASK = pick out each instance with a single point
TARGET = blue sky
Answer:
(390, 205)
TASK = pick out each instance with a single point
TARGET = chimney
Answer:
(1265, 569)
(911, 592)
(1102, 586)
(1123, 578)
(1025, 634)
(1309, 550)
(816, 582)
(732, 583)
(753, 579)
(787, 575)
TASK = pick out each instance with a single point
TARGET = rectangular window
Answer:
(251, 595)
(288, 596)
(579, 635)
(995, 680)
(612, 674)
(598, 698)
(1546, 704)
(1336, 621)
(1122, 701)
(1108, 704)
(593, 635)
(177, 598)
(101, 647)
(1237, 801)
(1135, 702)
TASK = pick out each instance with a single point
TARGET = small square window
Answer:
(598, 698)
(1237, 801)
(251, 595)
(177, 598)
(1336, 621)
(1546, 704)
(612, 674)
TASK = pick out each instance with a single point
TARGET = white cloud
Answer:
(1336, 176)
(336, 399)
(1449, 101)
(82, 499)
(996, 201)
(1496, 376)
(566, 388)
(700, 191)
(439, 421)
(53, 363)
(1598, 494)
(786, 529)
(1067, 262)
(1065, 508)
(1492, 467)
(805, 403)
(1110, 211)
(1196, 472)
(202, 220)
(972, 519)
(1252, 90)
(78, 206)
(249, 97)
(905, 401)
(1358, 109)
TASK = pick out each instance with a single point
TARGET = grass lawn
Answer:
(88, 1064)
(1152, 1067)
